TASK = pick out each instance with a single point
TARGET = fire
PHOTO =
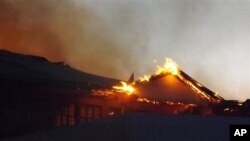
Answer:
(169, 67)
(128, 89)
(145, 100)
(194, 88)
(145, 78)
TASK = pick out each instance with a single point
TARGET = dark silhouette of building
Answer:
(36, 95)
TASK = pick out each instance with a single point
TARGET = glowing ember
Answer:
(111, 113)
(145, 78)
(145, 100)
(239, 103)
(194, 88)
(198, 84)
(169, 67)
(128, 89)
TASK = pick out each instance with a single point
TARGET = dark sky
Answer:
(209, 39)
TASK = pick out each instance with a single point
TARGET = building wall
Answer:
(28, 107)
(31, 107)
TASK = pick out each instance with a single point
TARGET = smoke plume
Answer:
(63, 31)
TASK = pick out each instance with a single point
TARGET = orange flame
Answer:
(144, 78)
(169, 67)
(128, 89)
(145, 100)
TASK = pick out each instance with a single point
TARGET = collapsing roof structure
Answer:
(170, 83)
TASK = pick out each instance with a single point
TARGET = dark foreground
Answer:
(146, 127)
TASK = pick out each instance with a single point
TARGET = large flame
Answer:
(169, 67)
(128, 89)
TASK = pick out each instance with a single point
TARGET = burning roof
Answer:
(170, 83)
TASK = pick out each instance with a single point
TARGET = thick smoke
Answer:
(206, 38)
(63, 31)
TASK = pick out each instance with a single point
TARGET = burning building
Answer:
(171, 83)
(168, 91)
(37, 94)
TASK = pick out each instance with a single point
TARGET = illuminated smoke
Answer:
(63, 31)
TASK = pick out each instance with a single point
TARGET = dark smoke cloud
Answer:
(63, 31)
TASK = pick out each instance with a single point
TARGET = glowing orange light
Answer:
(169, 67)
(128, 89)
(145, 78)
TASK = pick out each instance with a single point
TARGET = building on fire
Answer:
(37, 94)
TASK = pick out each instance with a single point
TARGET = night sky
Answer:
(209, 39)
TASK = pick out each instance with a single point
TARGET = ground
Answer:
(146, 127)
